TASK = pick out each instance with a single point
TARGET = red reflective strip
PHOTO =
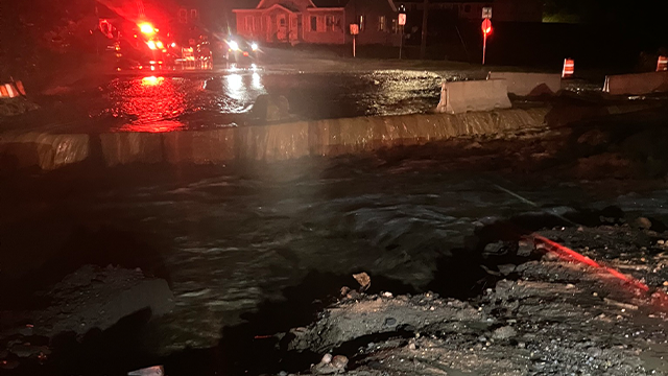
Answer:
(570, 255)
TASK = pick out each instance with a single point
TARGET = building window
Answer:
(361, 23)
(194, 15)
(395, 26)
(381, 23)
(314, 23)
(467, 8)
(281, 21)
(333, 23)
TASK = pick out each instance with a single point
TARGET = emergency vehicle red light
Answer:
(147, 28)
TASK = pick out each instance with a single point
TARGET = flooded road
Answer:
(155, 103)
(232, 238)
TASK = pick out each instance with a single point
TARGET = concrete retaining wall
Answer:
(317, 138)
(467, 96)
(528, 84)
(266, 143)
(636, 84)
(47, 151)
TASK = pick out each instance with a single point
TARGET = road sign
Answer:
(402, 19)
(354, 29)
(486, 12)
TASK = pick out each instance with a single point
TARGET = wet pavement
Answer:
(155, 103)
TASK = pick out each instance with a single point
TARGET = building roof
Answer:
(399, 2)
(343, 3)
(330, 3)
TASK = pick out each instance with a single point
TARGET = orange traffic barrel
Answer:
(662, 63)
(569, 68)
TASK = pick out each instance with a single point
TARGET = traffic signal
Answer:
(486, 26)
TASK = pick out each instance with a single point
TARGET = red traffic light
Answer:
(486, 26)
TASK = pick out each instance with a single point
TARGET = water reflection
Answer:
(153, 104)
(234, 84)
(256, 82)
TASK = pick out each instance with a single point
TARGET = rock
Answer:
(642, 223)
(340, 362)
(364, 280)
(504, 333)
(525, 248)
(594, 137)
(330, 365)
(95, 297)
(473, 145)
(349, 320)
(26, 331)
(507, 269)
(27, 350)
(16, 106)
(354, 295)
(150, 371)
(270, 108)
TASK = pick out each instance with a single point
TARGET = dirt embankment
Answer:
(91, 302)
(550, 316)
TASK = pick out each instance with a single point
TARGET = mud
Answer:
(552, 318)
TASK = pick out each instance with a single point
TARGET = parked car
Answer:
(242, 51)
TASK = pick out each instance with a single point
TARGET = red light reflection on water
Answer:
(153, 103)
(152, 81)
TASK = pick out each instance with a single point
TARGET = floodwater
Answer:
(156, 103)
(231, 240)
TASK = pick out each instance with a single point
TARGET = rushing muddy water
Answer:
(228, 241)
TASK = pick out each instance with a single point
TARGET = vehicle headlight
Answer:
(234, 46)
(254, 46)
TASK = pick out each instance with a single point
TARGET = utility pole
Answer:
(425, 14)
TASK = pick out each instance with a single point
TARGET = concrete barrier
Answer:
(47, 151)
(266, 142)
(273, 142)
(464, 96)
(528, 84)
(200, 147)
(636, 84)
(125, 148)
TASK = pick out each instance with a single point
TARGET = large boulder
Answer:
(270, 108)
